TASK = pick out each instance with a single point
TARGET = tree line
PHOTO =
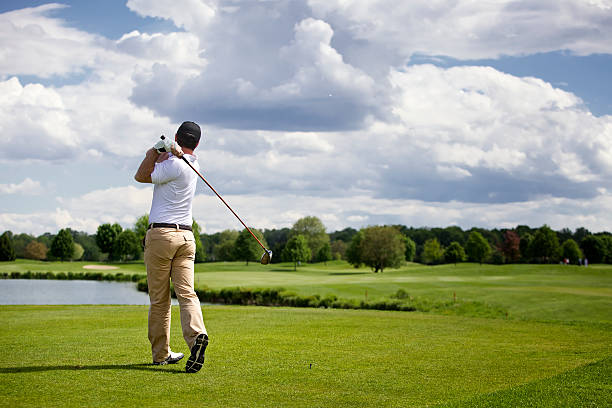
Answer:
(378, 247)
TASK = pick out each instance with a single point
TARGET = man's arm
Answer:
(143, 175)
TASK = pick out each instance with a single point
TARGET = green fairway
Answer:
(551, 344)
(528, 292)
(533, 292)
(99, 355)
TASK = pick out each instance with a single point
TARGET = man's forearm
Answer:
(143, 175)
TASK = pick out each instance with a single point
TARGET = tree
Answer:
(449, 234)
(524, 247)
(200, 255)
(141, 227)
(353, 252)
(607, 244)
(296, 251)
(7, 252)
(410, 249)
(454, 253)
(477, 247)
(20, 242)
(223, 248)
(593, 248)
(126, 246)
(571, 251)
(313, 230)
(324, 254)
(36, 250)
(338, 249)
(580, 234)
(346, 235)
(246, 248)
(106, 236)
(545, 245)
(382, 247)
(77, 252)
(433, 253)
(224, 251)
(62, 246)
(277, 239)
(91, 251)
(511, 246)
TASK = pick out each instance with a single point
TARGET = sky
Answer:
(427, 113)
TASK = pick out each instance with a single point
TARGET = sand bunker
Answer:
(100, 267)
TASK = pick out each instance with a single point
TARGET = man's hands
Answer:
(168, 145)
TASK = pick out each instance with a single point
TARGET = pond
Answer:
(70, 292)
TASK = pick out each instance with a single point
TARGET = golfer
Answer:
(170, 246)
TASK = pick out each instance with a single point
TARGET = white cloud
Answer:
(266, 69)
(179, 50)
(34, 44)
(321, 131)
(26, 187)
(84, 213)
(74, 121)
(192, 15)
(473, 29)
(126, 204)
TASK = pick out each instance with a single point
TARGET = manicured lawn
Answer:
(533, 292)
(98, 356)
(529, 292)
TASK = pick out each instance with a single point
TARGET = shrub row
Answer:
(280, 297)
(99, 276)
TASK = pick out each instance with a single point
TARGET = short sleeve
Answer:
(165, 171)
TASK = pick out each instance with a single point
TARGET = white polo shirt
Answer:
(175, 185)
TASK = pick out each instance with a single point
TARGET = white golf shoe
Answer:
(173, 358)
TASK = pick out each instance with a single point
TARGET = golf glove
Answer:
(168, 145)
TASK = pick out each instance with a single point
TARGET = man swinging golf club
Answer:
(170, 245)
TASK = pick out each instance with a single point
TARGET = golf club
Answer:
(267, 255)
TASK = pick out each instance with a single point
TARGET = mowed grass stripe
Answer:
(586, 386)
(258, 356)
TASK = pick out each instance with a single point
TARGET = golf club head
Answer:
(266, 257)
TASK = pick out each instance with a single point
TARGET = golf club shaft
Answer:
(226, 204)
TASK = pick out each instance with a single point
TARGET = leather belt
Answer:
(167, 225)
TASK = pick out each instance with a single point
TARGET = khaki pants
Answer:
(169, 254)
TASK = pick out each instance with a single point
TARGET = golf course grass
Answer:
(551, 346)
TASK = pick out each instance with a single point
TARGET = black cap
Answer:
(188, 135)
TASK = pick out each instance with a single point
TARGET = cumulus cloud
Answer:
(474, 29)
(83, 213)
(470, 134)
(33, 43)
(191, 15)
(94, 116)
(26, 187)
(267, 69)
(126, 204)
(46, 123)
(308, 108)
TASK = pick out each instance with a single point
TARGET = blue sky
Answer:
(380, 112)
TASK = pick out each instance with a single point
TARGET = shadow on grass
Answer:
(139, 367)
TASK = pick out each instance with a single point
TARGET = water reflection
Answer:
(70, 292)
